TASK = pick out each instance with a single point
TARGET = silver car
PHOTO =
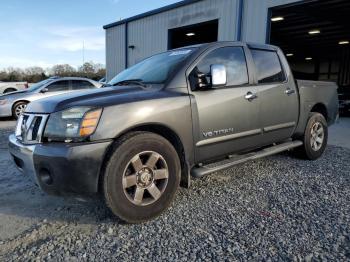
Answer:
(14, 104)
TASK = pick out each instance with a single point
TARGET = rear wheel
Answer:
(141, 177)
(315, 137)
(18, 109)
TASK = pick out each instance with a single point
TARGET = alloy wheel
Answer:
(317, 136)
(145, 178)
(19, 110)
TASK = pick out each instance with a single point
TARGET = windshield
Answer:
(38, 85)
(154, 70)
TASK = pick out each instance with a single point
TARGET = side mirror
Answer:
(218, 75)
(44, 90)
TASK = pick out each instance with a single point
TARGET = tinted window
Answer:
(38, 85)
(232, 58)
(81, 84)
(58, 86)
(268, 66)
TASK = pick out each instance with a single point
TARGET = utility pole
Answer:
(83, 52)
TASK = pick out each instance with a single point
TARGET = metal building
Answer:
(314, 33)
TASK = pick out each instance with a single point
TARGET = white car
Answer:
(14, 104)
(8, 87)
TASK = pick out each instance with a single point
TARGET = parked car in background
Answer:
(8, 87)
(13, 104)
(170, 116)
(103, 80)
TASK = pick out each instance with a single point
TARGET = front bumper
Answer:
(59, 168)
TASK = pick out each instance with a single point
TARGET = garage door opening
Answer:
(194, 34)
(315, 37)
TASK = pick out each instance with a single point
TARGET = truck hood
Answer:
(102, 97)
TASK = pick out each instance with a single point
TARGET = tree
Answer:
(63, 70)
(100, 73)
(87, 69)
(14, 74)
(34, 70)
(3, 75)
(34, 74)
(92, 70)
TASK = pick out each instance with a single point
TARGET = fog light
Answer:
(45, 176)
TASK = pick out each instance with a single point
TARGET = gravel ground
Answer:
(277, 208)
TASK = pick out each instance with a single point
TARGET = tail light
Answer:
(26, 85)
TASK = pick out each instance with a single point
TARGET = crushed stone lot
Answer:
(277, 208)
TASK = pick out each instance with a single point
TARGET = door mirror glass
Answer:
(218, 75)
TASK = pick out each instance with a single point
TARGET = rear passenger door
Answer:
(279, 104)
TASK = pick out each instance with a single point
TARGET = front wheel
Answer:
(18, 109)
(141, 177)
(315, 137)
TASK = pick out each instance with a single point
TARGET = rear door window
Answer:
(81, 84)
(268, 66)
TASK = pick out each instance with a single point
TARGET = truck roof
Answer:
(218, 43)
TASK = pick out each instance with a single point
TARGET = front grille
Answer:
(30, 128)
(36, 127)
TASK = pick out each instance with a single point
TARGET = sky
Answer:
(48, 32)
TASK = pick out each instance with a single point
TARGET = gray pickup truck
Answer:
(182, 113)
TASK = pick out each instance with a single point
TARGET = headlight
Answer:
(74, 124)
(3, 101)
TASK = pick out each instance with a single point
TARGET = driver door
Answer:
(225, 120)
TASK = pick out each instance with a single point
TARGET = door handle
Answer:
(250, 96)
(289, 91)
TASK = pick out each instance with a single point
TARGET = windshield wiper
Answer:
(131, 82)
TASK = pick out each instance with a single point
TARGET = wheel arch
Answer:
(9, 88)
(320, 108)
(164, 131)
(19, 101)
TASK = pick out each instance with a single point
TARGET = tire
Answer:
(312, 149)
(131, 195)
(18, 109)
(9, 90)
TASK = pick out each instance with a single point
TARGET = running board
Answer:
(238, 159)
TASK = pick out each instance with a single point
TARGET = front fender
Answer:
(171, 112)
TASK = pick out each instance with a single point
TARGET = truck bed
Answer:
(317, 93)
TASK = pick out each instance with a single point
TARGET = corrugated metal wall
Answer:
(115, 50)
(255, 17)
(149, 35)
